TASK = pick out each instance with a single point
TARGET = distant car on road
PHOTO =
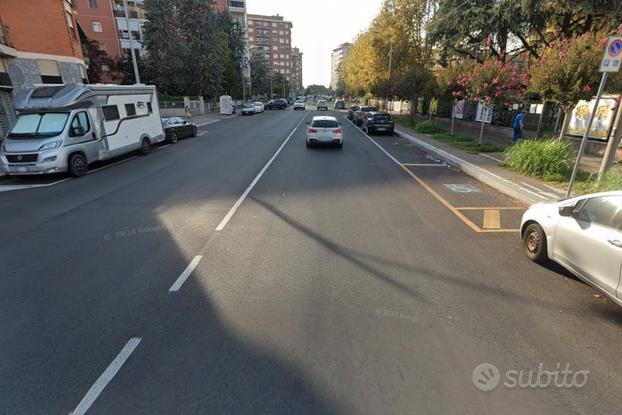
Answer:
(359, 114)
(176, 128)
(351, 111)
(300, 105)
(259, 107)
(324, 130)
(583, 234)
(322, 104)
(247, 109)
(277, 104)
(340, 104)
(378, 122)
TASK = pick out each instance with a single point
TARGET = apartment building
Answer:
(272, 35)
(137, 20)
(97, 21)
(338, 54)
(39, 44)
(296, 82)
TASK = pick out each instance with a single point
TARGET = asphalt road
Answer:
(339, 284)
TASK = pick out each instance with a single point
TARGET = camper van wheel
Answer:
(173, 138)
(78, 166)
(145, 146)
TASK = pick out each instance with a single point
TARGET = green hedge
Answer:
(546, 158)
(428, 127)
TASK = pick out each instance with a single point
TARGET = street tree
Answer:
(449, 82)
(101, 67)
(280, 84)
(494, 83)
(482, 28)
(567, 72)
(260, 74)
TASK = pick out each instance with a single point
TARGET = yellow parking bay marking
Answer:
(492, 219)
(453, 209)
(494, 208)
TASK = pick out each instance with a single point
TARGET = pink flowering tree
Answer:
(568, 71)
(451, 83)
(495, 83)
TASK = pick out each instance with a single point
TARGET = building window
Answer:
(274, 24)
(97, 27)
(50, 74)
(92, 4)
(251, 39)
(275, 48)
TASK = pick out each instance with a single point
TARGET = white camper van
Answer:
(63, 128)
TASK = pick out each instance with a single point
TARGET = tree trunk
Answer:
(481, 130)
(565, 123)
(413, 108)
(453, 117)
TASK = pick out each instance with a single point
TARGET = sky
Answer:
(319, 27)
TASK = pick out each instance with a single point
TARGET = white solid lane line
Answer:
(184, 275)
(106, 377)
(237, 204)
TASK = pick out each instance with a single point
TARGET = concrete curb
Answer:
(497, 182)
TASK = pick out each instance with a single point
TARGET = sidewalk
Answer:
(209, 118)
(502, 137)
(486, 168)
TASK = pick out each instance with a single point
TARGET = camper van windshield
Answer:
(35, 125)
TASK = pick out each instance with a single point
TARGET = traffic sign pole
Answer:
(611, 62)
(603, 80)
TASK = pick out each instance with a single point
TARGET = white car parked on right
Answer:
(583, 234)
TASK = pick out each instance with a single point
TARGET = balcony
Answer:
(237, 6)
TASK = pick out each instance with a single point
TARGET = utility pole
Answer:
(129, 33)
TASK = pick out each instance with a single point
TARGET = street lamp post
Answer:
(129, 33)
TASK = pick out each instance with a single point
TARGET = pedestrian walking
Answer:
(519, 126)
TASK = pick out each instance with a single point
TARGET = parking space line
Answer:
(492, 219)
(495, 208)
(437, 196)
(239, 202)
(424, 165)
(106, 377)
(184, 275)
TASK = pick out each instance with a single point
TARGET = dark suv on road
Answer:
(378, 122)
(277, 104)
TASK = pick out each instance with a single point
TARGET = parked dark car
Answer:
(277, 104)
(378, 122)
(351, 111)
(176, 128)
(359, 114)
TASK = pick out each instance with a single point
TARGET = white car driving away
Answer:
(324, 130)
(583, 234)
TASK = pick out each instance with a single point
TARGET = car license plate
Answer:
(381, 129)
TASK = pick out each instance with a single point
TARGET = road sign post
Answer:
(611, 62)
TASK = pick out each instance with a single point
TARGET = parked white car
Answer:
(583, 234)
(324, 130)
(259, 107)
(248, 109)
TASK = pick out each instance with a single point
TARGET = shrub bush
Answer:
(544, 158)
(428, 127)
(610, 181)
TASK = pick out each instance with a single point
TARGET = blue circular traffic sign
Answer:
(615, 48)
